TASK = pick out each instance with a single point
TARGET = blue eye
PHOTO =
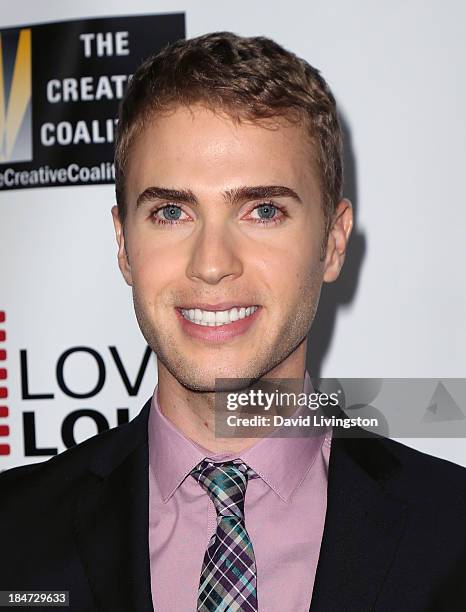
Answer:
(266, 211)
(171, 213)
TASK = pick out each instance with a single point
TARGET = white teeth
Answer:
(222, 317)
(210, 318)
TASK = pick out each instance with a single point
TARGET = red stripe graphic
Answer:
(5, 449)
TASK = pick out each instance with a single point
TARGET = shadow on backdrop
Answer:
(342, 291)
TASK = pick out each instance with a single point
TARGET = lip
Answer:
(221, 333)
(218, 306)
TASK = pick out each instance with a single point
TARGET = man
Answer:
(229, 218)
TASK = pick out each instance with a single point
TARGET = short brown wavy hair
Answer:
(250, 78)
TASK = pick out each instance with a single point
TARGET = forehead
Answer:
(199, 147)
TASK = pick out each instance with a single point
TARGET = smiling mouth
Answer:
(217, 318)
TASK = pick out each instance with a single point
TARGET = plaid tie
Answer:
(228, 577)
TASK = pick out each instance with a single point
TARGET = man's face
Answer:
(222, 217)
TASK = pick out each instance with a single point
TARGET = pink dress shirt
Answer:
(284, 515)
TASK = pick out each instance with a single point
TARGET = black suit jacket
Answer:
(394, 537)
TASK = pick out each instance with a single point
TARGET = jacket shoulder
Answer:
(96, 454)
(406, 472)
(423, 480)
(425, 466)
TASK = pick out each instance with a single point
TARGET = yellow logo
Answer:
(15, 97)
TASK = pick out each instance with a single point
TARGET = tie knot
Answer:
(225, 483)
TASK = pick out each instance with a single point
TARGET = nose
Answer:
(214, 254)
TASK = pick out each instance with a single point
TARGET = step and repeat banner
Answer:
(60, 86)
(72, 359)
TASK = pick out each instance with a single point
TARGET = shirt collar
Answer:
(282, 462)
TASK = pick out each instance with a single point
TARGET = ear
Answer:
(123, 261)
(337, 240)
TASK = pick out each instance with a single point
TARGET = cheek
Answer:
(303, 276)
(289, 265)
(154, 269)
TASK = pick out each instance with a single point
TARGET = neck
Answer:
(193, 412)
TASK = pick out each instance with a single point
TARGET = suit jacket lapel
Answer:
(111, 521)
(363, 526)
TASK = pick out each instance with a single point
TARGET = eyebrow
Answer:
(237, 195)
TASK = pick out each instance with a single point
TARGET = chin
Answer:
(203, 377)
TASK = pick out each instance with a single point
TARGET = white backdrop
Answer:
(398, 71)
